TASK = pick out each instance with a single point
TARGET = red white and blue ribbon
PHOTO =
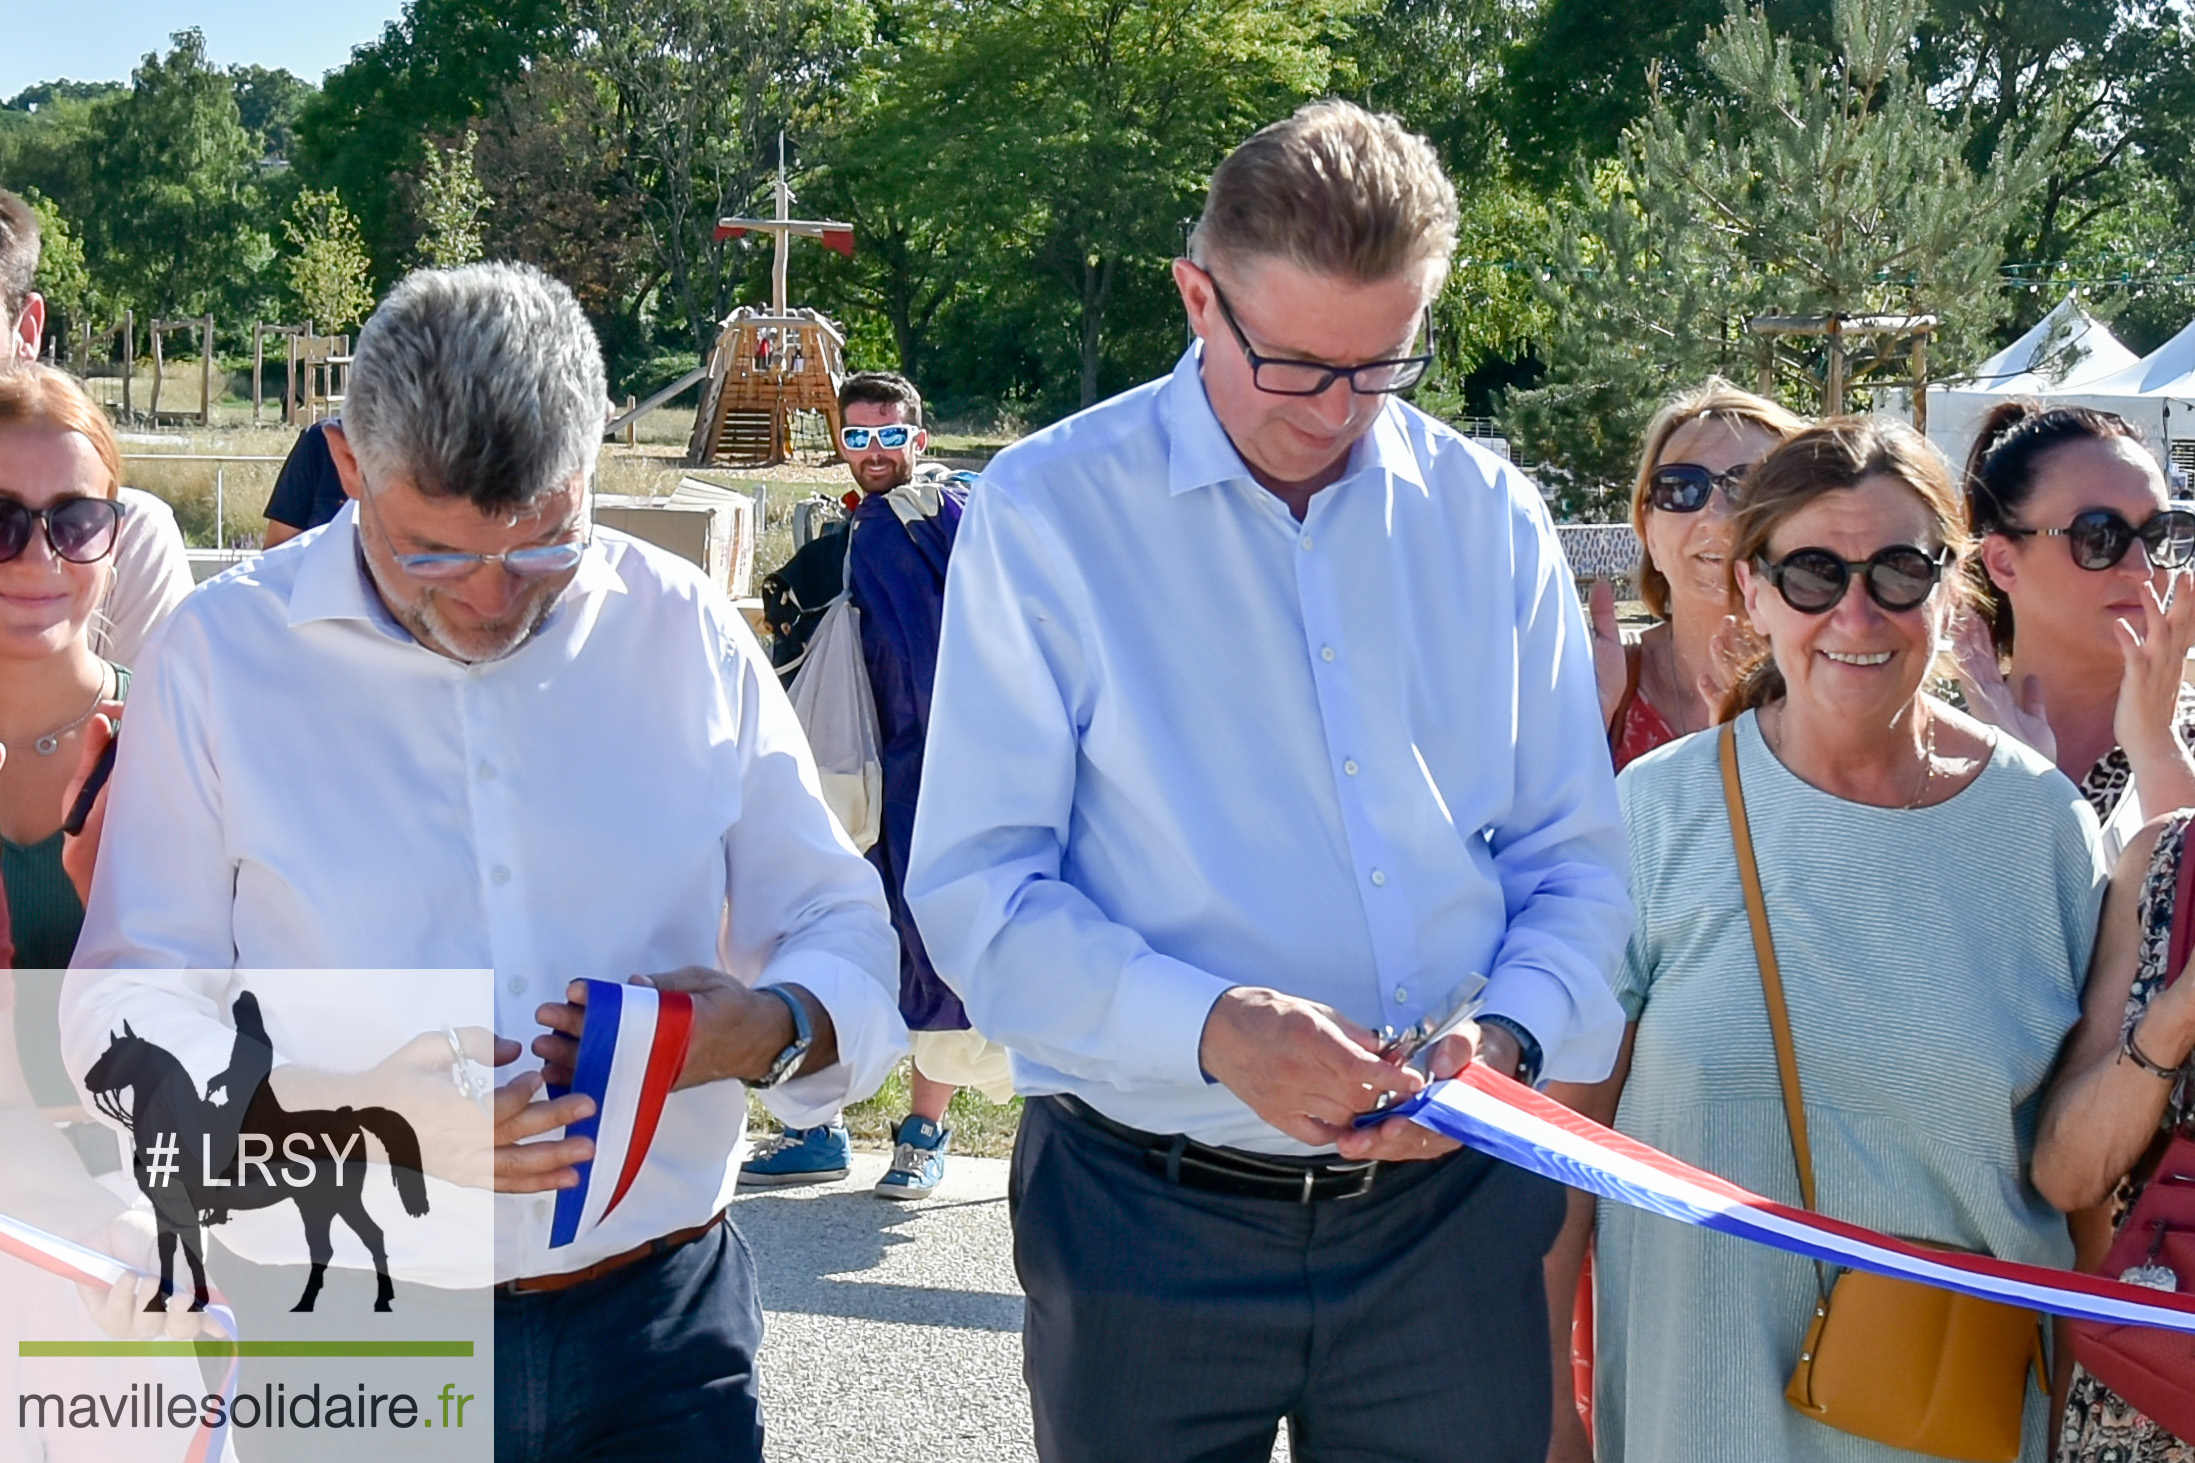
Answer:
(631, 1051)
(84, 1266)
(1496, 1115)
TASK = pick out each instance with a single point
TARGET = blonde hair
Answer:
(1714, 400)
(40, 394)
(1836, 455)
(1335, 190)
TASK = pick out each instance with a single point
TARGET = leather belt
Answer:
(660, 1245)
(1193, 1165)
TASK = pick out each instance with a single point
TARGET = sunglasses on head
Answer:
(1813, 581)
(1685, 487)
(80, 530)
(2100, 538)
(891, 438)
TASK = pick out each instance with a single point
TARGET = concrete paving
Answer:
(894, 1328)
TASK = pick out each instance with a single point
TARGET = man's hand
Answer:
(1400, 1140)
(415, 1082)
(738, 1030)
(120, 1310)
(528, 1168)
(1301, 1066)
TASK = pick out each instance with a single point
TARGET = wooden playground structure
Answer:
(768, 370)
(315, 369)
(1880, 363)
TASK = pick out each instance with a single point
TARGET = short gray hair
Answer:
(483, 383)
(1335, 190)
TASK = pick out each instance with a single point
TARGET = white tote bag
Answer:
(837, 709)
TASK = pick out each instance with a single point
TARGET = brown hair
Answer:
(1714, 399)
(18, 253)
(1832, 457)
(882, 388)
(2000, 473)
(40, 394)
(1335, 190)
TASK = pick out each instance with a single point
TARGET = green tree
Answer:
(268, 101)
(330, 274)
(1822, 182)
(1080, 133)
(62, 278)
(168, 191)
(451, 203)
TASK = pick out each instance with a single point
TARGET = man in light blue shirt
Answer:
(1273, 728)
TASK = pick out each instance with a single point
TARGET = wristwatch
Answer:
(788, 1059)
(1528, 1048)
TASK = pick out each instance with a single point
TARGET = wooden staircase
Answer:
(764, 369)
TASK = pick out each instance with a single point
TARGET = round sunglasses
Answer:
(1813, 581)
(2100, 538)
(80, 530)
(1685, 487)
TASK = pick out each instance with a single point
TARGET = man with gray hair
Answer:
(1274, 738)
(554, 753)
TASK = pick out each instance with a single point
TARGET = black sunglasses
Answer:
(1685, 487)
(1813, 581)
(2100, 538)
(80, 530)
(1282, 377)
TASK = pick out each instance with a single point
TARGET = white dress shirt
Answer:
(303, 785)
(1181, 742)
(151, 576)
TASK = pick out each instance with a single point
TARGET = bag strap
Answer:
(2183, 911)
(1764, 954)
(1633, 653)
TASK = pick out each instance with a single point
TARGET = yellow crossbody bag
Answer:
(1928, 1370)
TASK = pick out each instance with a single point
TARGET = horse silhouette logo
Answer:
(197, 1158)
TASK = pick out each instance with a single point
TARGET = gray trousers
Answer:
(1166, 1323)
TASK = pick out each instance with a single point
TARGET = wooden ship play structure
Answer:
(767, 368)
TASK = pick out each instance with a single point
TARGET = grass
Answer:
(981, 1128)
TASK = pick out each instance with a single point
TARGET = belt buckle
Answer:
(1367, 1169)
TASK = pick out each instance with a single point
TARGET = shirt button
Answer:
(1379, 877)
(518, 985)
(486, 771)
(1307, 541)
(1326, 652)
(1350, 767)
(499, 875)
(1401, 995)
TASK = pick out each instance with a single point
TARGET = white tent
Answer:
(2067, 350)
(2155, 393)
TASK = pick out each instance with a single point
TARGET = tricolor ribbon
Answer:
(631, 1051)
(1505, 1118)
(85, 1266)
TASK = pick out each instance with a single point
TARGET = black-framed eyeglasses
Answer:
(2099, 538)
(1282, 377)
(1685, 487)
(79, 530)
(1813, 581)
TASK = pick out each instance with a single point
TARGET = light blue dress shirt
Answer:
(1181, 742)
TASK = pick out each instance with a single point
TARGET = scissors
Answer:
(1411, 1045)
(461, 1071)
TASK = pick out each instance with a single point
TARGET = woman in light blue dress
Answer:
(1932, 888)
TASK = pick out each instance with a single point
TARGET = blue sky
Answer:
(102, 43)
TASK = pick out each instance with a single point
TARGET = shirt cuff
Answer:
(1537, 1001)
(1160, 1007)
(871, 1037)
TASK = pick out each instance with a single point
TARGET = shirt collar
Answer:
(333, 582)
(1200, 453)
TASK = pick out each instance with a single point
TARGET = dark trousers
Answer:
(655, 1361)
(1167, 1323)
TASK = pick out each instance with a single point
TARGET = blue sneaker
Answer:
(918, 1160)
(799, 1156)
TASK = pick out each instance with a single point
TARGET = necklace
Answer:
(50, 743)
(1928, 754)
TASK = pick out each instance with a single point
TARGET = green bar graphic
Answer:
(244, 1348)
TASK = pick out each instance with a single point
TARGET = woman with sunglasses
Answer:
(2079, 545)
(1930, 888)
(1656, 688)
(59, 467)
